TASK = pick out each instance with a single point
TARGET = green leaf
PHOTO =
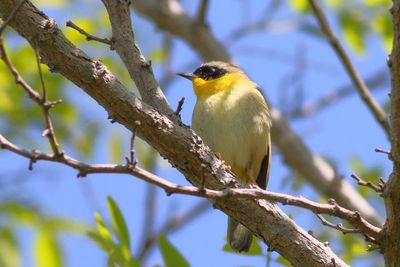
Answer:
(102, 229)
(47, 252)
(98, 239)
(172, 257)
(353, 29)
(382, 24)
(23, 214)
(9, 254)
(66, 225)
(300, 5)
(118, 223)
(255, 248)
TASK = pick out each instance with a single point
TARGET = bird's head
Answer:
(215, 76)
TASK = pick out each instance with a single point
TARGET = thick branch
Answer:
(169, 15)
(391, 192)
(174, 141)
(139, 69)
(359, 83)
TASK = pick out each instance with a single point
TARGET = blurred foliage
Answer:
(172, 257)
(357, 19)
(46, 248)
(9, 252)
(114, 240)
(352, 247)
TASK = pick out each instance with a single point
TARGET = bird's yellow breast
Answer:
(203, 88)
(233, 122)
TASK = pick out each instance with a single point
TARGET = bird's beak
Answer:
(189, 76)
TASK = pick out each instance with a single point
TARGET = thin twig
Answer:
(338, 226)
(362, 89)
(44, 90)
(89, 36)
(377, 188)
(18, 79)
(382, 183)
(179, 107)
(353, 217)
(388, 153)
(35, 96)
(132, 161)
(11, 16)
(46, 106)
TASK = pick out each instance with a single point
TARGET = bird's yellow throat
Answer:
(203, 88)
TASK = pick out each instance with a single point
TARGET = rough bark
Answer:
(391, 230)
(169, 15)
(173, 140)
(139, 69)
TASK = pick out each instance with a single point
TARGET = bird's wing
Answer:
(263, 174)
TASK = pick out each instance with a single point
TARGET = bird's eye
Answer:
(209, 72)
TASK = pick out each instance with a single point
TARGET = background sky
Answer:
(281, 59)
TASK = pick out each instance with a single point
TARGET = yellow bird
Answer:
(232, 118)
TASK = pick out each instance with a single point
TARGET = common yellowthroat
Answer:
(232, 118)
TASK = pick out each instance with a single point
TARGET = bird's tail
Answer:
(239, 237)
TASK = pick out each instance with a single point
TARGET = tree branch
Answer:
(189, 29)
(333, 208)
(359, 83)
(169, 15)
(173, 140)
(202, 12)
(138, 67)
(377, 188)
(11, 16)
(338, 226)
(391, 193)
(42, 101)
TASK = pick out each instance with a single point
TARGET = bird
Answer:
(233, 119)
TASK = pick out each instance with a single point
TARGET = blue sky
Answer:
(340, 132)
